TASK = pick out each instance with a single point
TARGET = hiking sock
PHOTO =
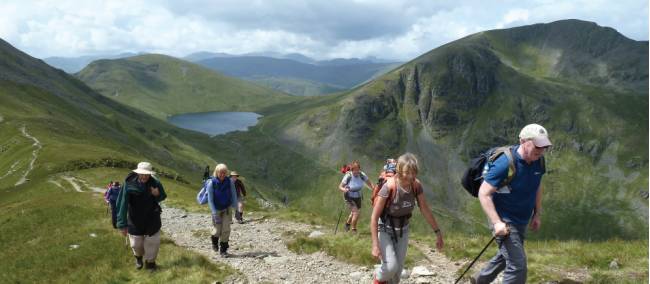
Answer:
(215, 243)
(138, 262)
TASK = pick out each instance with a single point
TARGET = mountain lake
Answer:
(216, 122)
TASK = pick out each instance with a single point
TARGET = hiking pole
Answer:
(339, 221)
(475, 259)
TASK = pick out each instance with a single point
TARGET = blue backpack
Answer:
(202, 197)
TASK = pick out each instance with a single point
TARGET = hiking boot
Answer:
(215, 243)
(239, 217)
(223, 249)
(150, 265)
(375, 281)
(354, 230)
(347, 226)
(138, 262)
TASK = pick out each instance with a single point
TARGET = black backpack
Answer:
(473, 176)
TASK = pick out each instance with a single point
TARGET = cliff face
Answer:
(475, 93)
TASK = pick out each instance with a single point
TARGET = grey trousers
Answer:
(511, 257)
(393, 255)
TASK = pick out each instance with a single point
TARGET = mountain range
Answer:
(282, 72)
(587, 84)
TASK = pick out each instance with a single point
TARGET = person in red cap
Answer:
(511, 208)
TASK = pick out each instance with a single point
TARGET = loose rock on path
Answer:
(259, 252)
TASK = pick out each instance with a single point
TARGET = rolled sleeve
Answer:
(497, 171)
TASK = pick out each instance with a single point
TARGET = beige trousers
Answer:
(146, 246)
(221, 222)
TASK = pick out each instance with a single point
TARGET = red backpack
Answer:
(345, 169)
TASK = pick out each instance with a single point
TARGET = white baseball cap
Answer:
(537, 133)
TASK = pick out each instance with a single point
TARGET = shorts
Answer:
(353, 202)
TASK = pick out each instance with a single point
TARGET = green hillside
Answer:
(297, 87)
(445, 106)
(297, 77)
(60, 144)
(162, 86)
(477, 92)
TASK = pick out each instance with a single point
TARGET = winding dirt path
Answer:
(30, 166)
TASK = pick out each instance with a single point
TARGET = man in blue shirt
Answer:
(509, 208)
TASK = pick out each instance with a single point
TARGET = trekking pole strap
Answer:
(475, 259)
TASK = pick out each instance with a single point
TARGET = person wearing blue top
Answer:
(510, 208)
(110, 196)
(221, 198)
(352, 185)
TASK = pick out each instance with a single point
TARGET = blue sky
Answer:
(321, 29)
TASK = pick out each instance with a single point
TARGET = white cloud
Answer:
(321, 29)
(513, 16)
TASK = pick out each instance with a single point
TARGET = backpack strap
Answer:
(512, 170)
(392, 189)
(392, 194)
(347, 178)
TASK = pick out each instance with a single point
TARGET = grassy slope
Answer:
(80, 129)
(597, 173)
(162, 86)
(297, 87)
(309, 178)
(41, 221)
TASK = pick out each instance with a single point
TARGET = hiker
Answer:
(387, 172)
(241, 193)
(351, 186)
(139, 214)
(389, 169)
(206, 173)
(390, 219)
(221, 197)
(110, 196)
(509, 208)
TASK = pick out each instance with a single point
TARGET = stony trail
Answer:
(30, 167)
(259, 252)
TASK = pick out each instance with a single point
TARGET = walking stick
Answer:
(340, 213)
(475, 259)
(337, 222)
